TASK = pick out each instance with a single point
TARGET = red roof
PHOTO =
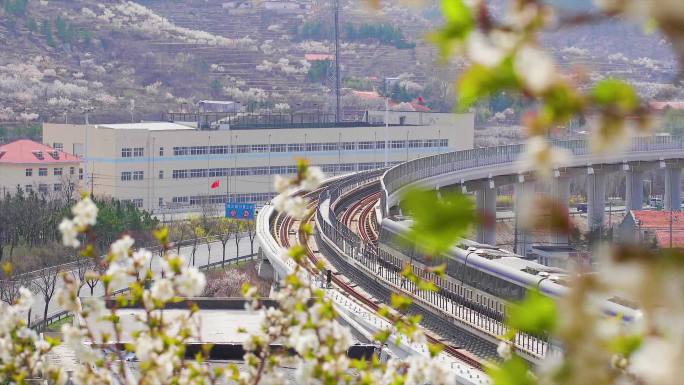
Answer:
(29, 152)
(318, 57)
(676, 105)
(659, 219)
(663, 238)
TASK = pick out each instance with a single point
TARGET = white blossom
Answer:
(314, 177)
(481, 50)
(121, 248)
(69, 232)
(504, 350)
(296, 207)
(190, 282)
(85, 212)
(535, 67)
(657, 361)
(162, 290)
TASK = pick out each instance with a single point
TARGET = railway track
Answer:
(454, 345)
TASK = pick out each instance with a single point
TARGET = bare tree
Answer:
(236, 235)
(224, 232)
(9, 290)
(82, 265)
(92, 276)
(46, 283)
(69, 191)
(179, 233)
(251, 233)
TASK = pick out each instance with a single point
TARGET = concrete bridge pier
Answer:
(560, 192)
(596, 198)
(524, 239)
(634, 185)
(486, 208)
(673, 190)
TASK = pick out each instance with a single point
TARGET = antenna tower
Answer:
(336, 16)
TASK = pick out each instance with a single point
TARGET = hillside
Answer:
(127, 60)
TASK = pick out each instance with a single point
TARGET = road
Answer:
(202, 257)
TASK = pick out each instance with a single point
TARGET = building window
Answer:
(57, 171)
(179, 200)
(139, 151)
(29, 188)
(42, 171)
(43, 188)
(29, 172)
(126, 152)
(161, 174)
(57, 187)
(58, 146)
(137, 175)
(161, 202)
(125, 175)
(80, 174)
(72, 170)
(137, 202)
(161, 151)
(397, 144)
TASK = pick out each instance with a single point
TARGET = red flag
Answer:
(216, 183)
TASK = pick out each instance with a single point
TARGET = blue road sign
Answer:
(240, 210)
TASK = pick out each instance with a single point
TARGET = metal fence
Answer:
(41, 325)
(447, 299)
(412, 171)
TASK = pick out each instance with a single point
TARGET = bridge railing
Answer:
(447, 299)
(412, 171)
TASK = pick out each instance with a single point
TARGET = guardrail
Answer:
(73, 265)
(449, 299)
(412, 171)
(40, 325)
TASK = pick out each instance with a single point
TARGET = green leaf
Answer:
(457, 12)
(480, 81)
(459, 23)
(382, 336)
(400, 302)
(536, 314)
(511, 372)
(438, 223)
(625, 344)
(616, 93)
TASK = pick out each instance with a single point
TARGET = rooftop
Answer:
(663, 238)
(149, 126)
(646, 219)
(29, 152)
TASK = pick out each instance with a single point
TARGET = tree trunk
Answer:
(29, 317)
(223, 261)
(45, 310)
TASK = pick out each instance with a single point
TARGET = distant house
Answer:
(283, 6)
(237, 5)
(662, 105)
(219, 106)
(652, 228)
(310, 57)
(33, 166)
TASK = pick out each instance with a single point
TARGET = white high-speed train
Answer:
(485, 275)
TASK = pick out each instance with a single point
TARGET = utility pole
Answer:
(671, 221)
(338, 111)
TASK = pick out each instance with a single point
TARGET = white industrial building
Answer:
(163, 166)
